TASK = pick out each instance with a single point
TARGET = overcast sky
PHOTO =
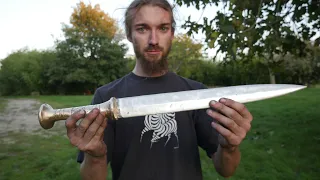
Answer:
(36, 23)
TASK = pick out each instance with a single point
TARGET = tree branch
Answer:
(254, 25)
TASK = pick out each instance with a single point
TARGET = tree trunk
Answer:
(272, 76)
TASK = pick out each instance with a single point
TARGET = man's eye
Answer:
(164, 29)
(141, 29)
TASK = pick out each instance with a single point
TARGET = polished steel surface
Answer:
(169, 102)
(199, 99)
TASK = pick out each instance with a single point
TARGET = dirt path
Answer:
(20, 115)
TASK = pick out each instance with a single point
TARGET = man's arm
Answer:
(88, 137)
(226, 161)
(94, 167)
(233, 123)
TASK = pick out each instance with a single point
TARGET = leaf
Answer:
(227, 28)
(267, 33)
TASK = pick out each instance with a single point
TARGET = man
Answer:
(161, 146)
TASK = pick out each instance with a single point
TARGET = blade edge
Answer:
(140, 105)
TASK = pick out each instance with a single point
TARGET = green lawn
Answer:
(284, 143)
(3, 103)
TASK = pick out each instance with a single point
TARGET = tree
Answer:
(23, 72)
(90, 55)
(90, 25)
(184, 53)
(302, 70)
(245, 28)
(90, 21)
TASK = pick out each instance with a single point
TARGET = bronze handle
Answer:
(48, 116)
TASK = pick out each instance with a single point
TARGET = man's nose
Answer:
(153, 40)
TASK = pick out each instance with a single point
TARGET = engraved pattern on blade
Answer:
(199, 99)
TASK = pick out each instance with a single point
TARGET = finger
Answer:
(227, 111)
(104, 125)
(239, 107)
(93, 128)
(228, 135)
(86, 122)
(225, 121)
(99, 134)
(71, 122)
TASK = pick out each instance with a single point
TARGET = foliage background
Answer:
(257, 37)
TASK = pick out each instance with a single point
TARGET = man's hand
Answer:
(88, 135)
(234, 121)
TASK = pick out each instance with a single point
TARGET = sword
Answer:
(168, 102)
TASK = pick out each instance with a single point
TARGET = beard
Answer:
(152, 64)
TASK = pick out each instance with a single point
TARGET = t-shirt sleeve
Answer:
(108, 133)
(207, 136)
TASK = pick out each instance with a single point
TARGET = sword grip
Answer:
(47, 116)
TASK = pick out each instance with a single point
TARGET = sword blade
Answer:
(199, 99)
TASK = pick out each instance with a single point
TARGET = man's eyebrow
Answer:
(144, 24)
(141, 24)
(165, 24)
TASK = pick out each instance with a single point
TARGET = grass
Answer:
(284, 143)
(38, 158)
(58, 101)
(65, 101)
(3, 103)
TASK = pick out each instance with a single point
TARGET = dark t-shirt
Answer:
(157, 147)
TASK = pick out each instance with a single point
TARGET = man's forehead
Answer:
(152, 15)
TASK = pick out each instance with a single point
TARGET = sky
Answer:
(35, 24)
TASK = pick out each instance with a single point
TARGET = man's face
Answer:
(152, 37)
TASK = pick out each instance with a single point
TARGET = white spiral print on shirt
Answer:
(162, 125)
